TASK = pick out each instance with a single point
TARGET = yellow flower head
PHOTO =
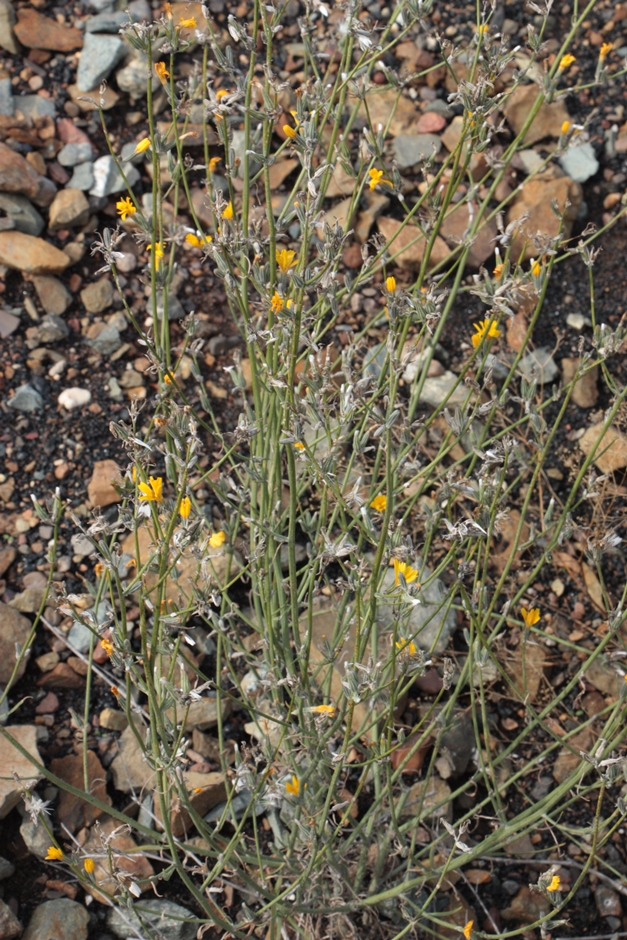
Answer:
(218, 539)
(221, 93)
(168, 10)
(530, 617)
(162, 72)
(228, 211)
(197, 242)
(402, 568)
(407, 646)
(482, 29)
(277, 303)
(158, 253)
(536, 268)
(376, 179)
(390, 283)
(379, 503)
(299, 445)
(289, 131)
(286, 259)
(54, 854)
(189, 23)
(605, 49)
(89, 866)
(293, 786)
(152, 491)
(566, 61)
(186, 507)
(143, 145)
(467, 931)
(107, 646)
(485, 328)
(498, 270)
(213, 164)
(565, 127)
(125, 207)
(323, 710)
(555, 884)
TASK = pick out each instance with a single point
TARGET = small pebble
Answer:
(72, 398)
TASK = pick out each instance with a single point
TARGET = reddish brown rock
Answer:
(100, 488)
(408, 244)
(534, 199)
(125, 857)
(453, 230)
(14, 630)
(36, 31)
(71, 810)
(31, 255)
(547, 122)
(430, 123)
(61, 677)
(18, 176)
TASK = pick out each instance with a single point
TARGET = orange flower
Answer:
(555, 884)
(485, 328)
(605, 49)
(277, 303)
(221, 93)
(107, 646)
(213, 164)
(162, 72)
(376, 179)
(390, 283)
(285, 259)
(188, 24)
(143, 145)
(323, 710)
(89, 866)
(566, 61)
(289, 131)
(467, 931)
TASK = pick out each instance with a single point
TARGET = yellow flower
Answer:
(188, 24)
(186, 507)
(125, 207)
(277, 303)
(107, 646)
(218, 539)
(134, 473)
(555, 884)
(153, 490)
(565, 127)
(536, 268)
(376, 178)
(89, 866)
(168, 10)
(158, 253)
(143, 145)
(406, 646)
(401, 567)
(530, 617)
(213, 164)
(467, 931)
(54, 854)
(162, 72)
(228, 212)
(299, 445)
(482, 30)
(285, 259)
(605, 49)
(293, 786)
(485, 328)
(323, 709)
(390, 283)
(498, 270)
(289, 131)
(197, 242)
(221, 93)
(379, 503)
(565, 61)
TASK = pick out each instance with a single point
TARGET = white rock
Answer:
(72, 398)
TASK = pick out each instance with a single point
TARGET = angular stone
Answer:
(52, 329)
(108, 180)
(34, 107)
(7, 103)
(90, 100)
(69, 208)
(106, 340)
(527, 682)
(8, 324)
(407, 245)
(429, 799)
(112, 719)
(535, 198)
(53, 295)
(204, 792)
(548, 121)
(585, 390)
(387, 106)
(36, 838)
(133, 77)
(611, 452)
(83, 177)
(9, 924)
(60, 919)
(61, 677)
(202, 714)
(99, 56)
(7, 21)
(72, 811)
(24, 215)
(74, 153)
(430, 623)
(126, 857)
(569, 757)
(437, 388)
(18, 176)
(454, 226)
(31, 255)
(7, 870)
(13, 762)
(410, 149)
(539, 364)
(167, 920)
(36, 31)
(98, 296)
(129, 769)
(100, 489)
(14, 629)
(26, 399)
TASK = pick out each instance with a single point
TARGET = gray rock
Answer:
(7, 104)
(538, 365)
(26, 399)
(100, 6)
(530, 160)
(107, 342)
(129, 769)
(7, 21)
(410, 149)
(83, 177)
(72, 154)
(175, 308)
(141, 10)
(9, 924)
(98, 296)
(23, 214)
(439, 107)
(34, 106)
(107, 22)
(133, 77)
(165, 919)
(60, 919)
(17, 768)
(429, 626)
(438, 387)
(107, 179)
(236, 808)
(580, 162)
(35, 837)
(6, 868)
(52, 329)
(80, 635)
(99, 57)
(53, 295)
